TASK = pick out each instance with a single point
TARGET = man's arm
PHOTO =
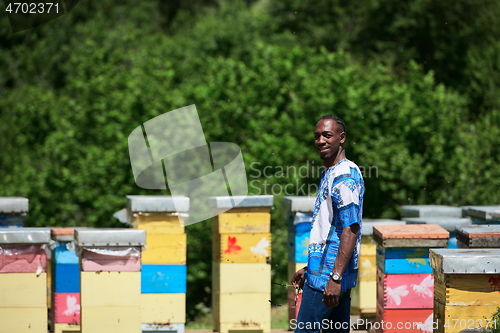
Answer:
(348, 240)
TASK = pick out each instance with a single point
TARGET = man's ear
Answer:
(342, 137)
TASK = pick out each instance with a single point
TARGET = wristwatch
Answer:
(335, 276)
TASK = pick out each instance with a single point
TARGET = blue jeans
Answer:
(314, 315)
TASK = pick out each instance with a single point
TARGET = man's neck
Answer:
(331, 162)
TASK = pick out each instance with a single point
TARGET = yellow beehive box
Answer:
(66, 328)
(457, 318)
(368, 246)
(243, 220)
(241, 308)
(163, 308)
(242, 248)
(164, 248)
(23, 290)
(241, 278)
(118, 319)
(364, 298)
(162, 223)
(294, 267)
(110, 289)
(467, 289)
(23, 320)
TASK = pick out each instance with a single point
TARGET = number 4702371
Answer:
(32, 8)
(469, 323)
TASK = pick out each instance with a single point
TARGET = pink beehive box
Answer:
(95, 262)
(405, 291)
(24, 250)
(23, 259)
(66, 308)
(110, 250)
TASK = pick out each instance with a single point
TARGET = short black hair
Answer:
(336, 119)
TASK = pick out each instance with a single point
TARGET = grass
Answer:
(279, 320)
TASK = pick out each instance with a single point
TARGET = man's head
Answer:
(329, 137)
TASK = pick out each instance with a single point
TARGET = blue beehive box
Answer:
(163, 279)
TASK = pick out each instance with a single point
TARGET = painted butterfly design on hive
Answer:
(426, 326)
(231, 245)
(72, 307)
(261, 247)
(396, 293)
(425, 288)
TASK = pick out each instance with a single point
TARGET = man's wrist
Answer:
(336, 277)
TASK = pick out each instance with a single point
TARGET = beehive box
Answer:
(404, 280)
(448, 223)
(430, 211)
(478, 236)
(466, 287)
(158, 208)
(12, 211)
(484, 214)
(163, 279)
(163, 308)
(23, 286)
(110, 300)
(241, 257)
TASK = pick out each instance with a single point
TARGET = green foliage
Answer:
(70, 96)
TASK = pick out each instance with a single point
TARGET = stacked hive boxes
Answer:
(405, 286)
(110, 280)
(447, 217)
(478, 236)
(466, 288)
(164, 273)
(484, 214)
(23, 279)
(12, 212)
(241, 264)
(298, 212)
(364, 295)
(65, 309)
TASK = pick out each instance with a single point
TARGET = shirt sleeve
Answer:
(346, 196)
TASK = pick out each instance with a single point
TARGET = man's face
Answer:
(327, 137)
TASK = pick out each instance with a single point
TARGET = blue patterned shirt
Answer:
(339, 204)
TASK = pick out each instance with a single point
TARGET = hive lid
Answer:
(157, 203)
(13, 205)
(480, 231)
(24, 235)
(368, 224)
(430, 211)
(110, 237)
(465, 261)
(448, 223)
(485, 213)
(303, 204)
(62, 234)
(225, 202)
(411, 235)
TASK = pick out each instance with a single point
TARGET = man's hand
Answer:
(298, 279)
(331, 294)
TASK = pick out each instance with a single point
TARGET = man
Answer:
(332, 267)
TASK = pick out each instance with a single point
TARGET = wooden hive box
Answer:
(166, 308)
(478, 236)
(404, 281)
(242, 248)
(165, 248)
(110, 300)
(165, 210)
(448, 223)
(24, 250)
(467, 284)
(430, 211)
(12, 211)
(163, 279)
